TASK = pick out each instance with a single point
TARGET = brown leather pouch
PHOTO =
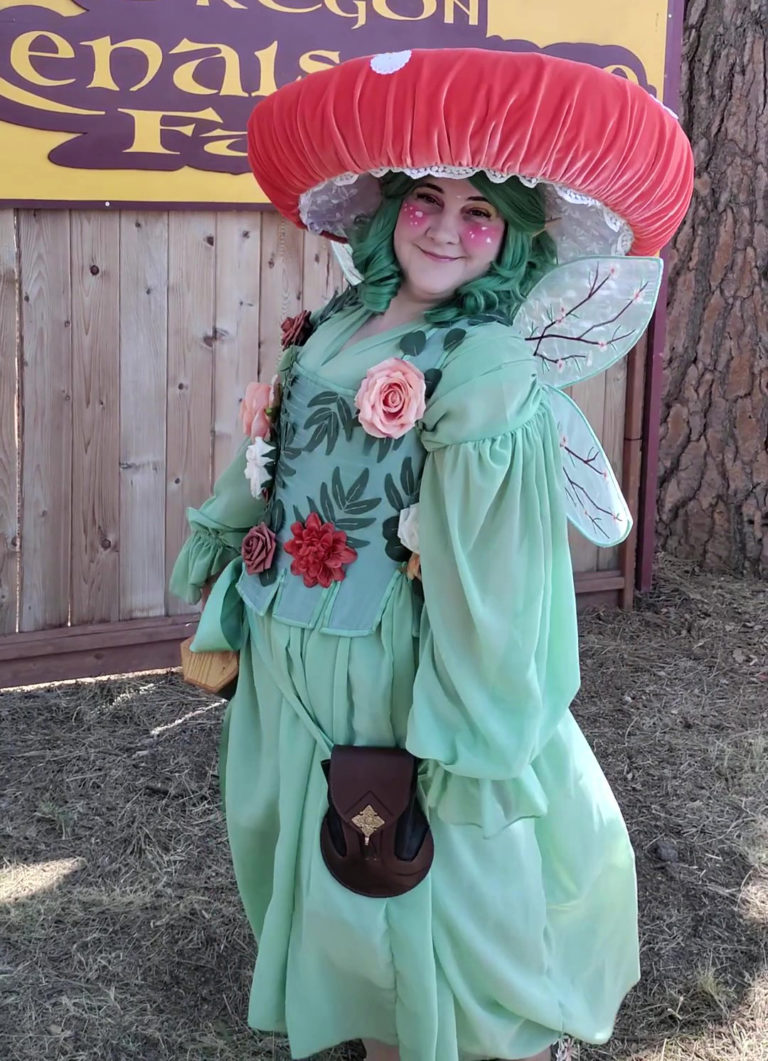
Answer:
(375, 838)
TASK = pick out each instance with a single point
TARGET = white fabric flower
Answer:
(257, 456)
(389, 62)
(408, 528)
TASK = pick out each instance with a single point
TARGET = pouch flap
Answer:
(380, 778)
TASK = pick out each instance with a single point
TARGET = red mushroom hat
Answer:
(615, 166)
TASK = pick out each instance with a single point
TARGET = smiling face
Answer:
(446, 234)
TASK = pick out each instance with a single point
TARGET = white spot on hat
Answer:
(389, 62)
(666, 108)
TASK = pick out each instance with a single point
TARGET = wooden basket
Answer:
(211, 671)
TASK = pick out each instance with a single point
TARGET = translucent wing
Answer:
(344, 257)
(586, 314)
(594, 503)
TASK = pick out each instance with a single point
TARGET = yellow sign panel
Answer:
(114, 101)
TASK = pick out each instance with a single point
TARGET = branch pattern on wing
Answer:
(594, 502)
(586, 314)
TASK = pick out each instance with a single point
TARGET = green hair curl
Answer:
(526, 252)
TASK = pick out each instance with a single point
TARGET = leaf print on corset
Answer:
(408, 484)
(346, 509)
(286, 452)
(384, 444)
(332, 415)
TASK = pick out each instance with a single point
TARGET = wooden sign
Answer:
(120, 102)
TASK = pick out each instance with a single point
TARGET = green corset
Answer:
(329, 464)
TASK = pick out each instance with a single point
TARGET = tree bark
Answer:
(714, 436)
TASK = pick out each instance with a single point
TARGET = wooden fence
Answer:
(126, 342)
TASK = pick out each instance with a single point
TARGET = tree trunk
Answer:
(714, 436)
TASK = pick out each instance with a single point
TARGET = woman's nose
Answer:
(444, 227)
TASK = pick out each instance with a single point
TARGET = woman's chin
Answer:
(430, 292)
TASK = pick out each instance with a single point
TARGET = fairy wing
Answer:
(584, 315)
(343, 256)
(594, 502)
(581, 318)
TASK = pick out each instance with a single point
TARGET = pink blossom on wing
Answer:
(253, 410)
(391, 398)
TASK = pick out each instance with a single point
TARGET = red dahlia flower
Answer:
(318, 551)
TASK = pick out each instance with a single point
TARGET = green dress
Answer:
(525, 927)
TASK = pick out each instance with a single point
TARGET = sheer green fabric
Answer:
(218, 526)
(525, 927)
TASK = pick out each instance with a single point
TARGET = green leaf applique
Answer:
(413, 343)
(431, 378)
(394, 548)
(453, 339)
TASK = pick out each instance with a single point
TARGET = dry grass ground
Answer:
(121, 934)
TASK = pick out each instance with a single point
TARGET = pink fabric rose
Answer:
(253, 411)
(258, 549)
(318, 551)
(391, 398)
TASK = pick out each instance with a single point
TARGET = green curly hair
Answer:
(526, 253)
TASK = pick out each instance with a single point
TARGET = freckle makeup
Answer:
(475, 233)
(413, 215)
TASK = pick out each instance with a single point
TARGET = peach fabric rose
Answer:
(391, 398)
(253, 410)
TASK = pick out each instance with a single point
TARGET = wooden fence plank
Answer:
(632, 459)
(236, 351)
(281, 292)
(612, 437)
(321, 272)
(143, 368)
(9, 447)
(47, 424)
(590, 397)
(95, 416)
(191, 315)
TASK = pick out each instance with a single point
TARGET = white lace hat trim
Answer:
(578, 223)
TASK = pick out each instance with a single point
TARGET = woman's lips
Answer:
(438, 257)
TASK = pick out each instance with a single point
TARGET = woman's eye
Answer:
(477, 213)
(425, 197)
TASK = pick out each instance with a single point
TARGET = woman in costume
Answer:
(393, 564)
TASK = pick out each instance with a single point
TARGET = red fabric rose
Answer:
(258, 549)
(296, 330)
(318, 552)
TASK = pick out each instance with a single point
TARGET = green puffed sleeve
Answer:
(498, 665)
(218, 528)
